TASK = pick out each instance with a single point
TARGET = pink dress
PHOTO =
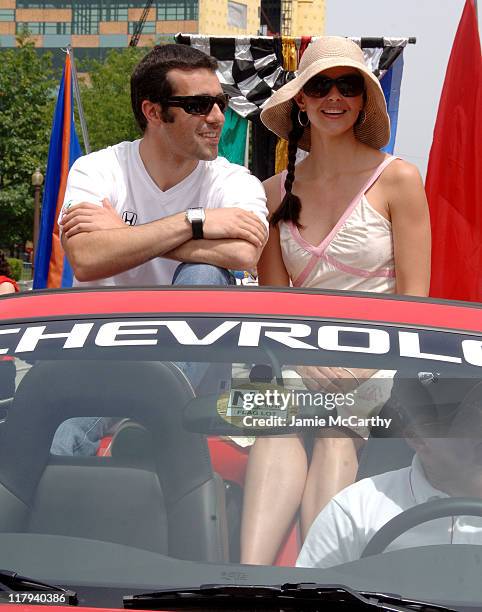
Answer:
(356, 255)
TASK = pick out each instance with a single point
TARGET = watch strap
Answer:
(197, 229)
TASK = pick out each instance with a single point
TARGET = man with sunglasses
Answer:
(164, 209)
(135, 211)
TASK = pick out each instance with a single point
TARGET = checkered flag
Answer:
(250, 69)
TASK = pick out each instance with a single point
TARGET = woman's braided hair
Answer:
(290, 207)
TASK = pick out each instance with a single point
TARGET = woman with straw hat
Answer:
(350, 217)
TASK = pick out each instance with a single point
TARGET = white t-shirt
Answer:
(118, 173)
(344, 527)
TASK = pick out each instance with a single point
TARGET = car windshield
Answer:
(146, 452)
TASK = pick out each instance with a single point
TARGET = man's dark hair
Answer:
(149, 80)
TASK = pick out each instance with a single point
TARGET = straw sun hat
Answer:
(329, 52)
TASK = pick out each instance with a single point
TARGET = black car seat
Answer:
(169, 502)
(8, 373)
(385, 454)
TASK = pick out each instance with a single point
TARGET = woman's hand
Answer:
(333, 379)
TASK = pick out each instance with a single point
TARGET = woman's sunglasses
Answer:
(197, 105)
(349, 85)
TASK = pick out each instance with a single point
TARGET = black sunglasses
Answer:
(198, 105)
(349, 85)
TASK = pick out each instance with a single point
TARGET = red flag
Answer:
(454, 176)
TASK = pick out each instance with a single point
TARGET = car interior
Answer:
(173, 488)
(155, 467)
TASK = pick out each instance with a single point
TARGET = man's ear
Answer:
(413, 439)
(152, 111)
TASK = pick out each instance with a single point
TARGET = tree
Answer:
(27, 98)
(105, 93)
(28, 92)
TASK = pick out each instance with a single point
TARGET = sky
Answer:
(433, 23)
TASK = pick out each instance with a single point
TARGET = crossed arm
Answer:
(99, 244)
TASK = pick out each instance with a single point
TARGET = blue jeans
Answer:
(81, 435)
(200, 274)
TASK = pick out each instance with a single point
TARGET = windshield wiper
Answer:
(306, 596)
(12, 582)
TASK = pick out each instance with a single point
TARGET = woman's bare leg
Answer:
(333, 467)
(275, 480)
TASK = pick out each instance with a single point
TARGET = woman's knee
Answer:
(341, 443)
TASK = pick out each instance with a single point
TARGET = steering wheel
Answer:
(439, 508)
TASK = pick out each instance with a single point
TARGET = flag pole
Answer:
(80, 108)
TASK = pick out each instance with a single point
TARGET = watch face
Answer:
(195, 214)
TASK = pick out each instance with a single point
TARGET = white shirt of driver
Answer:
(344, 527)
(118, 173)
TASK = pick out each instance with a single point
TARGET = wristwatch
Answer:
(196, 217)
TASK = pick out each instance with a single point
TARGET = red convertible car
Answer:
(127, 420)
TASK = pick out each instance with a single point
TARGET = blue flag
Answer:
(391, 83)
(51, 266)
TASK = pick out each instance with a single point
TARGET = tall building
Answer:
(94, 26)
(229, 17)
(293, 17)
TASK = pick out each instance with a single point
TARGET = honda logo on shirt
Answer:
(129, 217)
